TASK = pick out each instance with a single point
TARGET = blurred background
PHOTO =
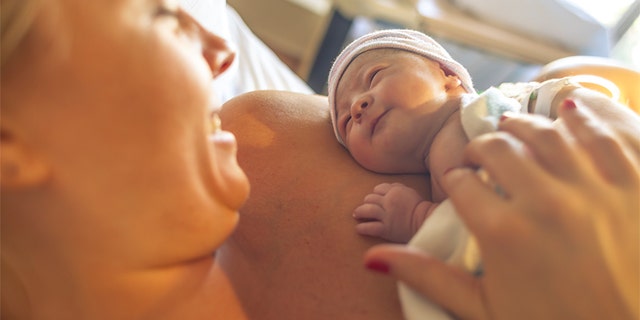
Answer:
(497, 40)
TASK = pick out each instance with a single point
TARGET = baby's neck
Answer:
(446, 152)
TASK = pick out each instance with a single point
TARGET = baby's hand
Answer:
(393, 212)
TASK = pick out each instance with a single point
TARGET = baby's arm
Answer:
(393, 212)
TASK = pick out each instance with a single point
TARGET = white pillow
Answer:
(256, 67)
(212, 14)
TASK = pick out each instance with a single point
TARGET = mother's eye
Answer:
(178, 19)
(167, 12)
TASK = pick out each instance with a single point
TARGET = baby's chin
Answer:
(387, 165)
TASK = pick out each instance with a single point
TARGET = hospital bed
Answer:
(492, 54)
(496, 40)
(256, 67)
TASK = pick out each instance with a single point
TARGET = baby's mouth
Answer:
(375, 122)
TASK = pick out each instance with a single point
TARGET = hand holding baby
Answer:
(570, 216)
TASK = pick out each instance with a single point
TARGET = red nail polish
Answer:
(506, 115)
(569, 104)
(378, 266)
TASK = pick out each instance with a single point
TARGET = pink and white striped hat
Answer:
(403, 39)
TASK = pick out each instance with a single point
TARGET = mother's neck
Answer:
(198, 290)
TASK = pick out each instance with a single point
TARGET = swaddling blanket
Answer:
(443, 234)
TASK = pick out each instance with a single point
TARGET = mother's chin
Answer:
(230, 183)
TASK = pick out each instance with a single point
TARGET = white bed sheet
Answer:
(256, 66)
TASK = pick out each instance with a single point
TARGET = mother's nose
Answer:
(217, 52)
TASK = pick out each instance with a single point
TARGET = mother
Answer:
(115, 190)
(116, 193)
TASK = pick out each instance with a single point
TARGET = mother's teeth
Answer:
(216, 124)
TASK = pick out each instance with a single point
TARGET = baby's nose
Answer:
(359, 106)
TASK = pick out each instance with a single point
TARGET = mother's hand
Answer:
(564, 241)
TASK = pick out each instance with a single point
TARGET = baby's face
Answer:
(390, 104)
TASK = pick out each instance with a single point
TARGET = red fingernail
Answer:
(569, 104)
(506, 115)
(378, 266)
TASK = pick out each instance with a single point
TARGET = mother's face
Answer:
(113, 96)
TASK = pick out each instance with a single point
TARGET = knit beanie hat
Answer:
(403, 39)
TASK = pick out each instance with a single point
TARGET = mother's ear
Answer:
(20, 165)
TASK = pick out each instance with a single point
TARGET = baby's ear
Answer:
(452, 82)
(20, 166)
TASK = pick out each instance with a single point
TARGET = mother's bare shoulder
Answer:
(295, 253)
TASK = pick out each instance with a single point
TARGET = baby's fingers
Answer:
(374, 198)
(382, 188)
(368, 211)
(370, 228)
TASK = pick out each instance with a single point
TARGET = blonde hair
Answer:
(17, 18)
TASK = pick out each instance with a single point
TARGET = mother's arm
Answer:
(295, 254)
(625, 122)
(624, 77)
